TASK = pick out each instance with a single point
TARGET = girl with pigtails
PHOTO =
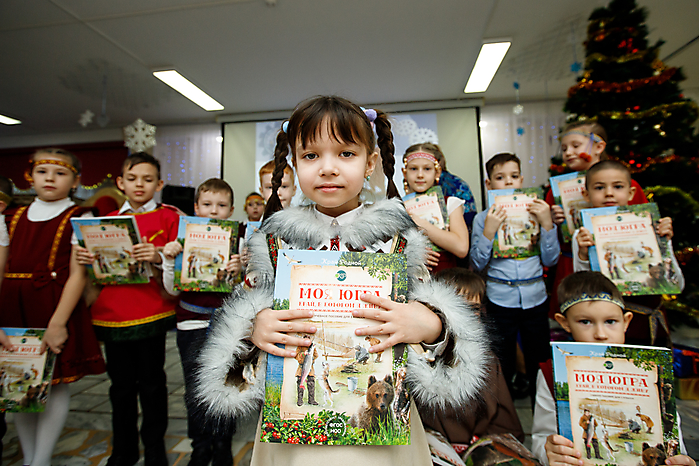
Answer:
(334, 150)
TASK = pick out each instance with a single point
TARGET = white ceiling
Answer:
(254, 58)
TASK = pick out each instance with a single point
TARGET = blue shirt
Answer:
(525, 296)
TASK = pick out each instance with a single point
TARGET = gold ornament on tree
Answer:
(139, 136)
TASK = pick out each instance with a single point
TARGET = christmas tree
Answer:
(637, 99)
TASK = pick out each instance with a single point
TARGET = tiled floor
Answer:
(86, 439)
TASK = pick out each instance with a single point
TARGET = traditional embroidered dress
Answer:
(452, 380)
(132, 312)
(37, 269)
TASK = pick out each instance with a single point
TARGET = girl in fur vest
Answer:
(333, 149)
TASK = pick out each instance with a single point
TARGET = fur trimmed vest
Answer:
(232, 371)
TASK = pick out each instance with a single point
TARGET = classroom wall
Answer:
(457, 130)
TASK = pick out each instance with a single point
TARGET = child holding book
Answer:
(421, 172)
(132, 320)
(286, 190)
(515, 289)
(494, 413)
(583, 144)
(608, 184)
(334, 149)
(42, 288)
(591, 310)
(211, 442)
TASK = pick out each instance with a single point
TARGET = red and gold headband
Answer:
(420, 155)
(34, 163)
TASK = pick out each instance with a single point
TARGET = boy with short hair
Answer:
(210, 440)
(515, 290)
(592, 311)
(132, 321)
(286, 190)
(608, 184)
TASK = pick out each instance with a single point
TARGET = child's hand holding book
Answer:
(411, 322)
(541, 210)
(585, 241)
(496, 215)
(276, 326)
(560, 451)
(557, 214)
(83, 255)
(146, 252)
(664, 227)
(172, 250)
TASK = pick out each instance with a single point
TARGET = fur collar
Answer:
(305, 228)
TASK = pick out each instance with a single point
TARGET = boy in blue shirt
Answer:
(516, 297)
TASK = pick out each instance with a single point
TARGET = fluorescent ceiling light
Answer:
(487, 63)
(8, 121)
(182, 85)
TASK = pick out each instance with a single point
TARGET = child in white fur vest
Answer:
(334, 149)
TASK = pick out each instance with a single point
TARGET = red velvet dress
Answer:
(37, 269)
(565, 261)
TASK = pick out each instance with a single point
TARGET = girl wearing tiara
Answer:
(422, 171)
(333, 148)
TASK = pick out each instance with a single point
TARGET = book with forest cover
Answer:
(334, 392)
(429, 206)
(611, 399)
(629, 252)
(567, 192)
(207, 245)
(111, 240)
(25, 373)
(519, 235)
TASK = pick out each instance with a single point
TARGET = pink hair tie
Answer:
(420, 155)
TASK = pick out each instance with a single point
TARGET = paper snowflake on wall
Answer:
(139, 136)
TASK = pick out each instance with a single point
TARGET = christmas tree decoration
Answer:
(517, 109)
(637, 99)
(139, 136)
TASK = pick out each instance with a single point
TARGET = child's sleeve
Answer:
(481, 247)
(231, 376)
(457, 375)
(169, 276)
(579, 265)
(545, 421)
(550, 247)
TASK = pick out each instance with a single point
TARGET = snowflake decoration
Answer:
(576, 67)
(518, 109)
(520, 131)
(423, 135)
(139, 136)
(267, 140)
(404, 127)
(85, 118)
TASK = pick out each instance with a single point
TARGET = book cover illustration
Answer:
(251, 228)
(613, 399)
(335, 392)
(111, 240)
(519, 235)
(429, 206)
(25, 374)
(207, 245)
(567, 193)
(629, 252)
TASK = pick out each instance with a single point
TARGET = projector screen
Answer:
(249, 145)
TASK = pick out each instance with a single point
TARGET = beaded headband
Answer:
(591, 297)
(420, 155)
(254, 196)
(6, 198)
(593, 137)
(34, 163)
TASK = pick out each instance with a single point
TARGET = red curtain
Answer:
(99, 160)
